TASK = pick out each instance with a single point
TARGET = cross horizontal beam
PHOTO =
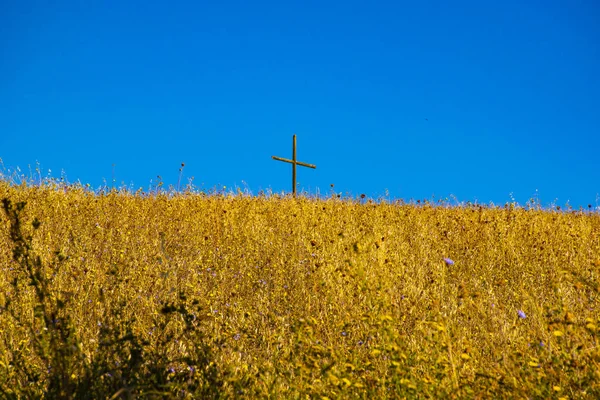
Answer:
(292, 161)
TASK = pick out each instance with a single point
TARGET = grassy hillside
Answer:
(237, 296)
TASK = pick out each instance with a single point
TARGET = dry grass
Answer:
(237, 296)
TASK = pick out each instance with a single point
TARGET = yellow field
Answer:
(235, 296)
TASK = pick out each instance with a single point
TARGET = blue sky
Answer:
(477, 100)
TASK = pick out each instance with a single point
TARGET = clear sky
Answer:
(474, 99)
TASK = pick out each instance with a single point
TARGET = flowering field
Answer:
(120, 295)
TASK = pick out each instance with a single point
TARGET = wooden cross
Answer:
(294, 162)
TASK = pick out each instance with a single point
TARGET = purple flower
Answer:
(448, 261)
(236, 336)
(522, 314)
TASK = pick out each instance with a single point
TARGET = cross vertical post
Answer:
(294, 166)
(294, 161)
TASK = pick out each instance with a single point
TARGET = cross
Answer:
(294, 162)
